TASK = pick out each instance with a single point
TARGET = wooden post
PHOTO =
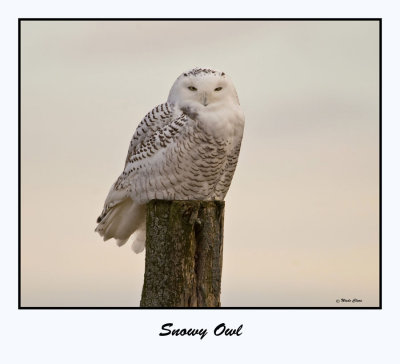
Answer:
(183, 254)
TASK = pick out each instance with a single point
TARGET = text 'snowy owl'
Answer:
(184, 149)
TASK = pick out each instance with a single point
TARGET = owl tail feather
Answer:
(139, 238)
(123, 220)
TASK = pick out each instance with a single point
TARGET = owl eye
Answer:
(218, 89)
(191, 88)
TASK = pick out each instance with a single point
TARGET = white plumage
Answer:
(184, 149)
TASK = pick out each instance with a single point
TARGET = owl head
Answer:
(204, 88)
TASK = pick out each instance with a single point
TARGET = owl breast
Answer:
(222, 123)
(196, 165)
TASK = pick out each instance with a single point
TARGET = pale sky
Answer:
(301, 218)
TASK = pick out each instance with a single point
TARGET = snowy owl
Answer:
(184, 149)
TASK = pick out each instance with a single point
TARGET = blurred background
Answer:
(302, 214)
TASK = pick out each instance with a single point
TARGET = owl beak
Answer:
(204, 99)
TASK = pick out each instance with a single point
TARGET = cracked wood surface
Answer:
(183, 254)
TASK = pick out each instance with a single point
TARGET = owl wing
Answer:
(155, 119)
(155, 133)
(153, 161)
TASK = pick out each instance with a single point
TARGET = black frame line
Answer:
(20, 307)
(199, 19)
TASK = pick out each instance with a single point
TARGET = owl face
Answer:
(203, 88)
